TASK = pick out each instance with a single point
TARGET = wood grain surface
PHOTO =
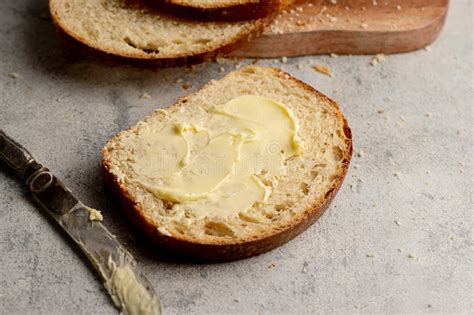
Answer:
(350, 27)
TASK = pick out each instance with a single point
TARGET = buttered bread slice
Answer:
(233, 170)
(130, 30)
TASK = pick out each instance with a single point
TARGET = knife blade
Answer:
(127, 286)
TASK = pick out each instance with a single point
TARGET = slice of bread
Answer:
(128, 29)
(296, 201)
(225, 10)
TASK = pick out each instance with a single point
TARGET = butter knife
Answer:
(129, 289)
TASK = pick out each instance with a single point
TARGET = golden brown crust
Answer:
(222, 250)
(237, 12)
(150, 60)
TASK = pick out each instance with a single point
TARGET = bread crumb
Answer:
(324, 70)
(399, 7)
(378, 59)
(364, 25)
(160, 110)
(400, 250)
(381, 110)
(304, 270)
(186, 86)
(237, 300)
(222, 69)
(428, 115)
(164, 231)
(333, 1)
(95, 215)
(397, 174)
(333, 55)
(370, 255)
(145, 95)
(361, 153)
(427, 48)
(410, 255)
(179, 80)
(284, 59)
(12, 75)
(397, 222)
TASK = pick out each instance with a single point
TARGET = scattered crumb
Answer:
(222, 69)
(427, 48)
(397, 222)
(361, 153)
(12, 75)
(333, 55)
(381, 110)
(370, 255)
(410, 255)
(399, 7)
(304, 270)
(159, 110)
(145, 95)
(179, 80)
(333, 1)
(397, 174)
(400, 250)
(353, 187)
(364, 25)
(237, 300)
(95, 215)
(186, 86)
(299, 66)
(378, 59)
(428, 115)
(164, 231)
(323, 69)
(190, 69)
(284, 59)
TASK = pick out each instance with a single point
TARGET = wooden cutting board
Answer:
(350, 27)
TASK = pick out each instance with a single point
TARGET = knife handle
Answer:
(17, 157)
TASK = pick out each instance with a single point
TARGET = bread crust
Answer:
(237, 12)
(224, 250)
(144, 59)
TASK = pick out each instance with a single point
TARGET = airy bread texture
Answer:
(226, 10)
(128, 29)
(298, 198)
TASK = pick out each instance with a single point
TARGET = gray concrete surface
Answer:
(416, 170)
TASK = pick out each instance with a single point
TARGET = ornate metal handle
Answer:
(17, 157)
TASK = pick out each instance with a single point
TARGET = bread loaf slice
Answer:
(298, 198)
(130, 30)
(225, 10)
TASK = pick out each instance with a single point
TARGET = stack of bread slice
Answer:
(163, 32)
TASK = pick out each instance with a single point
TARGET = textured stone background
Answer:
(417, 169)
